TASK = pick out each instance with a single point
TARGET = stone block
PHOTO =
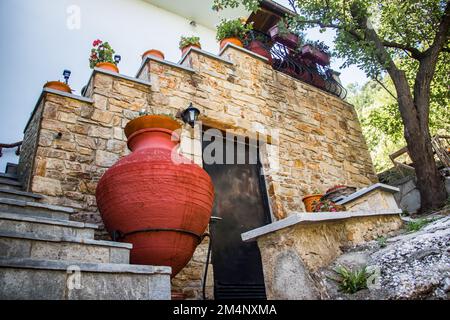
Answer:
(105, 159)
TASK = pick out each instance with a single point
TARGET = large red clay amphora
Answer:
(155, 198)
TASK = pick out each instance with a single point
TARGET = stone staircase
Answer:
(44, 255)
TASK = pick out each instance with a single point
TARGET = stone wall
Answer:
(319, 140)
(292, 256)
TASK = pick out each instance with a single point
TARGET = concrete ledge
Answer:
(86, 267)
(308, 218)
(362, 192)
(251, 53)
(205, 53)
(49, 238)
(49, 221)
(167, 63)
(120, 76)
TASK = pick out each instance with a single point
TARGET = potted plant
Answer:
(58, 85)
(326, 205)
(232, 31)
(280, 33)
(310, 200)
(316, 51)
(258, 44)
(102, 56)
(187, 42)
(155, 198)
(154, 53)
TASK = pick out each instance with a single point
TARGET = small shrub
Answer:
(416, 225)
(382, 241)
(352, 281)
(189, 41)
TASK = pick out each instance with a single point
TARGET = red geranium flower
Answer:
(97, 42)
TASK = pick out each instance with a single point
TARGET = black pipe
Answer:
(208, 256)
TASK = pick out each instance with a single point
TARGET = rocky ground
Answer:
(412, 265)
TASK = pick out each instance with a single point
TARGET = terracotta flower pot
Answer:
(107, 66)
(290, 40)
(233, 40)
(58, 85)
(258, 47)
(310, 200)
(154, 53)
(186, 49)
(314, 54)
(155, 198)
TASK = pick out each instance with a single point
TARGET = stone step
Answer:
(19, 195)
(35, 209)
(39, 225)
(7, 183)
(11, 168)
(40, 246)
(28, 279)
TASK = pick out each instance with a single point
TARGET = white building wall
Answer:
(37, 45)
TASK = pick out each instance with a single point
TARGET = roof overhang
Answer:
(269, 14)
(199, 11)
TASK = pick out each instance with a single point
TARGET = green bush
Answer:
(232, 29)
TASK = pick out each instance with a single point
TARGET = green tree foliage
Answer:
(379, 113)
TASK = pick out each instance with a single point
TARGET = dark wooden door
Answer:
(240, 200)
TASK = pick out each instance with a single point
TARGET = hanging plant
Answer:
(316, 51)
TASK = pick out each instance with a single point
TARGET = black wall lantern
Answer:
(190, 115)
(117, 59)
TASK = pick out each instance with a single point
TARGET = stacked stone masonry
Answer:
(70, 142)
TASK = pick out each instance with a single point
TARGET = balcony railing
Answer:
(291, 62)
(10, 146)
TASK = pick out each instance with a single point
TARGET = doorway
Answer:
(241, 202)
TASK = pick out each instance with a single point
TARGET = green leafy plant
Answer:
(382, 241)
(189, 41)
(236, 28)
(325, 205)
(416, 225)
(351, 281)
(283, 29)
(102, 52)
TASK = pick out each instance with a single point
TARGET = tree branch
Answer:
(427, 68)
(385, 88)
(415, 53)
(333, 26)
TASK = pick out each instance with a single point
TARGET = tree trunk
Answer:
(429, 182)
(417, 135)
